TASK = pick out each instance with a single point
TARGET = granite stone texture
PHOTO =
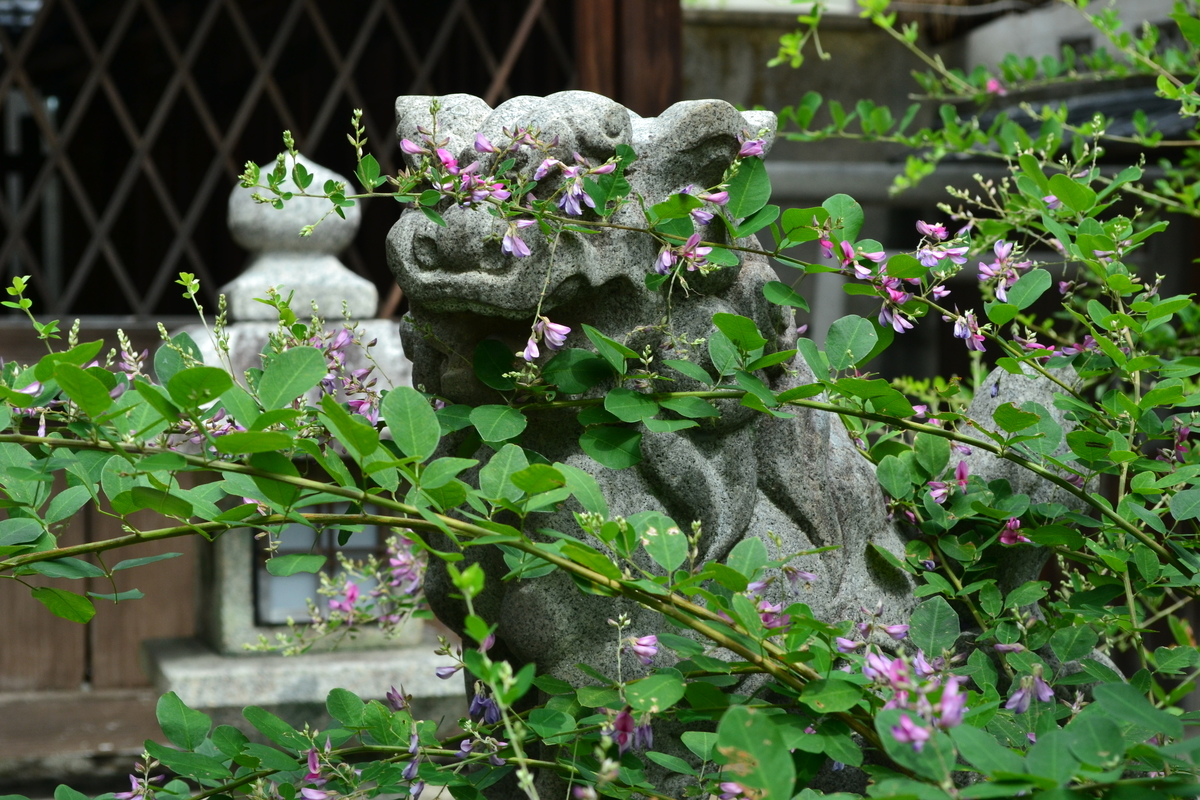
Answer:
(307, 266)
(795, 483)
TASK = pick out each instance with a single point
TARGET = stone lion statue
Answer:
(796, 483)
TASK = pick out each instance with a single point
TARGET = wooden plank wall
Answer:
(631, 51)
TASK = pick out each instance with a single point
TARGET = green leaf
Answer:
(691, 407)
(1051, 756)
(85, 390)
(934, 626)
(747, 557)
(293, 563)
(494, 477)
(358, 437)
(1184, 505)
(576, 371)
(830, 696)
(1001, 313)
(192, 765)
(903, 265)
(130, 563)
(846, 214)
(749, 190)
(849, 341)
(984, 752)
(538, 478)
(68, 605)
(1126, 704)
(610, 350)
(723, 353)
(933, 453)
(630, 406)
(345, 706)
(71, 568)
(412, 422)
(615, 448)
(894, 477)
(253, 442)
(184, 727)
(289, 374)
(783, 295)
(491, 361)
(274, 728)
(229, 740)
(754, 750)
(701, 743)
(547, 723)
(1028, 288)
(668, 548)
(118, 597)
(1012, 419)
(741, 330)
(161, 502)
(755, 223)
(691, 370)
(585, 488)
(498, 423)
(1073, 642)
(673, 763)
(1075, 196)
(167, 361)
(19, 530)
(196, 386)
(655, 693)
(1096, 741)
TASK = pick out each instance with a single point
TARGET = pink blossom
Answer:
(752, 147)
(645, 648)
(993, 86)
(411, 147)
(531, 350)
(449, 163)
(554, 334)
(1052, 202)
(346, 605)
(1010, 534)
(908, 732)
(937, 230)
(484, 145)
(717, 198)
(961, 473)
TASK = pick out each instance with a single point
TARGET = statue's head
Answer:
(459, 281)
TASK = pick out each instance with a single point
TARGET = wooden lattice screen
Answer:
(126, 122)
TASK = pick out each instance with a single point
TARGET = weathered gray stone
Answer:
(796, 483)
(307, 266)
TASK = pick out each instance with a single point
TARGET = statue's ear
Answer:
(459, 117)
(693, 141)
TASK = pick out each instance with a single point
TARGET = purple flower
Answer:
(531, 350)
(447, 671)
(483, 708)
(410, 770)
(795, 575)
(645, 648)
(937, 230)
(701, 216)
(1009, 648)
(939, 292)
(395, 700)
(622, 731)
(772, 616)
(751, 147)
(731, 790)
(484, 145)
(411, 147)
(1030, 686)
(847, 645)
(908, 732)
(939, 491)
(961, 473)
(313, 794)
(664, 262)
(1052, 202)
(1010, 534)
(826, 247)
(717, 198)
(449, 162)
(692, 253)
(512, 243)
(953, 704)
(545, 167)
(966, 327)
(643, 737)
(897, 632)
(346, 605)
(554, 334)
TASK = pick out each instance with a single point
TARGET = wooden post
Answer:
(631, 51)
